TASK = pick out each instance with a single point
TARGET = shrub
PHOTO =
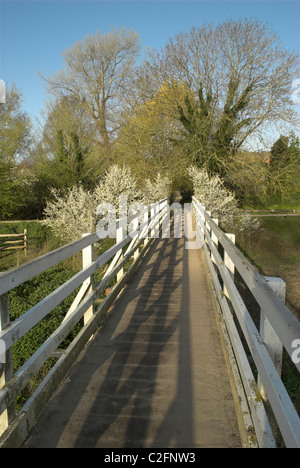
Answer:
(26, 296)
(118, 182)
(72, 215)
(222, 203)
(157, 190)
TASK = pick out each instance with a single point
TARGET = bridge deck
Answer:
(154, 375)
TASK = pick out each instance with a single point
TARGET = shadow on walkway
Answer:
(147, 379)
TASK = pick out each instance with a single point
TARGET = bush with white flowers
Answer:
(75, 213)
(118, 182)
(72, 215)
(223, 205)
(157, 190)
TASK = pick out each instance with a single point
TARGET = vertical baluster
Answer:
(87, 259)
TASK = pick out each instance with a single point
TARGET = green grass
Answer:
(276, 244)
(273, 203)
(288, 229)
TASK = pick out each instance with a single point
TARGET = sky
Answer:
(33, 34)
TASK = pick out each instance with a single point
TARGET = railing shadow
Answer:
(129, 386)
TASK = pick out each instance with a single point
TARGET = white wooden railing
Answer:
(15, 427)
(278, 328)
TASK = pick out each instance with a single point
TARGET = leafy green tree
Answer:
(69, 163)
(15, 128)
(62, 153)
(284, 173)
(65, 154)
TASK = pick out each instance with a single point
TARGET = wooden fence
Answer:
(278, 329)
(10, 243)
(15, 427)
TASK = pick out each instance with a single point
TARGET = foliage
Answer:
(14, 141)
(117, 182)
(247, 174)
(15, 126)
(9, 189)
(22, 299)
(28, 295)
(211, 138)
(156, 190)
(196, 102)
(284, 170)
(239, 76)
(211, 192)
(145, 141)
(71, 215)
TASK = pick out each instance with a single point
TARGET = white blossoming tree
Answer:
(156, 190)
(78, 211)
(118, 182)
(72, 215)
(222, 203)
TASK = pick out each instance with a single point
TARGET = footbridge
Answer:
(168, 354)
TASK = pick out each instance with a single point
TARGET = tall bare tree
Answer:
(241, 77)
(97, 70)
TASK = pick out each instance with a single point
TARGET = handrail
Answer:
(280, 317)
(11, 385)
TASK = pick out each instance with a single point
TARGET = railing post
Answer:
(229, 263)
(267, 332)
(214, 238)
(87, 259)
(207, 227)
(154, 216)
(146, 234)
(201, 220)
(273, 345)
(6, 367)
(135, 226)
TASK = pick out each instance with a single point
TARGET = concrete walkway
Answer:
(154, 375)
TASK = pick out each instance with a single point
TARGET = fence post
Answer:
(87, 259)
(6, 368)
(25, 242)
(228, 262)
